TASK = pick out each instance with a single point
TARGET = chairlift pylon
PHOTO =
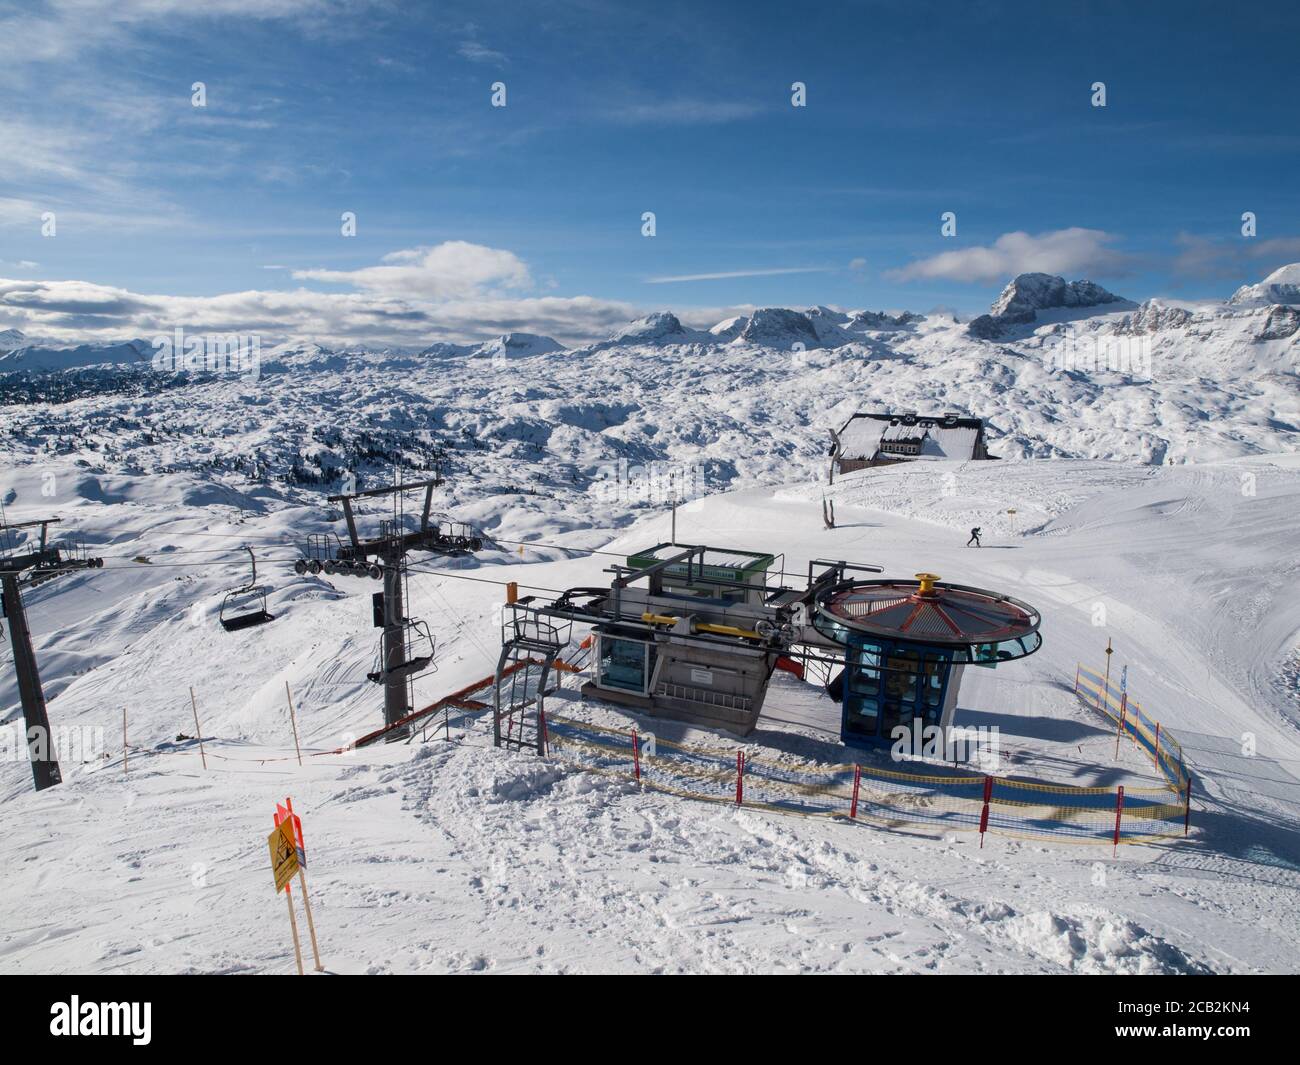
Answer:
(235, 613)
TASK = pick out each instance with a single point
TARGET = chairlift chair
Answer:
(418, 654)
(244, 607)
(459, 537)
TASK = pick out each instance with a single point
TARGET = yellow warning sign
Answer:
(284, 854)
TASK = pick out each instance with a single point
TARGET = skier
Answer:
(974, 537)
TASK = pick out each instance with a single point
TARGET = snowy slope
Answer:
(452, 856)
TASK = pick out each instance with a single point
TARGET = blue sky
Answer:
(472, 220)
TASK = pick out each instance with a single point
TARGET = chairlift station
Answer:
(694, 633)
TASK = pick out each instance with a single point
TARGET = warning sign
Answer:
(284, 854)
(285, 813)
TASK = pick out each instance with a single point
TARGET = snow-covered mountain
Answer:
(1211, 380)
(42, 358)
(659, 329)
(1028, 294)
(518, 346)
(1281, 286)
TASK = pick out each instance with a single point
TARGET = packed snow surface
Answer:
(449, 855)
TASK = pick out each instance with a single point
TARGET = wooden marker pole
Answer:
(293, 927)
(124, 752)
(302, 879)
(198, 732)
(1105, 688)
(293, 721)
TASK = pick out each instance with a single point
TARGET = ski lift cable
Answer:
(461, 625)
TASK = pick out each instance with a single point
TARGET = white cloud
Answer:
(64, 28)
(477, 53)
(455, 269)
(453, 291)
(1242, 260)
(682, 112)
(739, 273)
(1072, 251)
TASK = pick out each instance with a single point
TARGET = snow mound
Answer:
(1097, 944)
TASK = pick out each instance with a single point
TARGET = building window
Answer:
(624, 664)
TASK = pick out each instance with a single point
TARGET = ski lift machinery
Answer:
(694, 633)
(406, 647)
(24, 565)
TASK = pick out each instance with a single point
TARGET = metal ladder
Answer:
(530, 643)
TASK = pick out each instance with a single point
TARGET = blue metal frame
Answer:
(888, 683)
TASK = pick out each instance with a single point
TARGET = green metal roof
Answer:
(720, 563)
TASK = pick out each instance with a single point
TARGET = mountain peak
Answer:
(778, 327)
(659, 328)
(1281, 286)
(519, 345)
(1027, 294)
(1040, 292)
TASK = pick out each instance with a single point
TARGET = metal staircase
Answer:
(530, 644)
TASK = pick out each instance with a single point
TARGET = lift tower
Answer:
(26, 570)
(407, 647)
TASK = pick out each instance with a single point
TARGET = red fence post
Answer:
(984, 813)
(857, 781)
(1187, 813)
(740, 777)
(636, 755)
(1119, 810)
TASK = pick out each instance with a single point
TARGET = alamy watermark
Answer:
(220, 353)
(1070, 351)
(655, 482)
(67, 744)
(980, 747)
